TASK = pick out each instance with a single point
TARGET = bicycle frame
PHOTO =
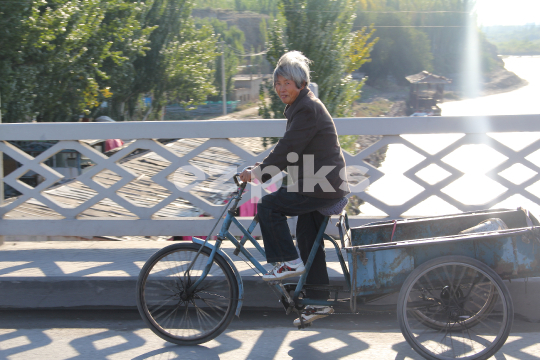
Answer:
(224, 233)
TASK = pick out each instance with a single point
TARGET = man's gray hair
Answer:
(293, 66)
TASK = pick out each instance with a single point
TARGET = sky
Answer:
(508, 12)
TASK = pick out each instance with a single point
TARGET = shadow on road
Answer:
(258, 336)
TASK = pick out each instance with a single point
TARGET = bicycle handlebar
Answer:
(236, 178)
(240, 184)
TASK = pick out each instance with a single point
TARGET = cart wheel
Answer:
(174, 314)
(455, 307)
(485, 304)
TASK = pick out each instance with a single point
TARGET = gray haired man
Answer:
(311, 151)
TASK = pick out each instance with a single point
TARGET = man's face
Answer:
(286, 90)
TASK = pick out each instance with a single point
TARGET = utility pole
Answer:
(1, 164)
(223, 85)
(250, 65)
(1, 172)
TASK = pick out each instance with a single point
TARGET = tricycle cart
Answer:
(447, 271)
(452, 301)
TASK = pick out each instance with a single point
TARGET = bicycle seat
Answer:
(335, 209)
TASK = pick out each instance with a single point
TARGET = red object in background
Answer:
(249, 208)
(112, 144)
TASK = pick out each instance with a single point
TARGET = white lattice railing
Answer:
(148, 197)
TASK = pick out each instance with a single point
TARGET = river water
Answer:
(474, 187)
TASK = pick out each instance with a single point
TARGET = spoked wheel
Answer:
(170, 310)
(455, 307)
(484, 303)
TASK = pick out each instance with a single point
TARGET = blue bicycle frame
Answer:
(224, 233)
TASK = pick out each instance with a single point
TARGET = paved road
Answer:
(72, 334)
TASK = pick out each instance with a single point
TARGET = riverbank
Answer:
(507, 96)
(502, 81)
(498, 81)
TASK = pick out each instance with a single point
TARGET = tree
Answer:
(401, 50)
(269, 7)
(176, 67)
(322, 31)
(418, 35)
(263, 29)
(53, 52)
(63, 58)
(234, 45)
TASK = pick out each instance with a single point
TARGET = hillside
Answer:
(247, 21)
(515, 40)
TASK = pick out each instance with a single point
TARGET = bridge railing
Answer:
(153, 186)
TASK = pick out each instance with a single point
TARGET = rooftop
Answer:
(425, 77)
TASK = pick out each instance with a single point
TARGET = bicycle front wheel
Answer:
(179, 316)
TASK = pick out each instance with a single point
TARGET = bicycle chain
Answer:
(279, 295)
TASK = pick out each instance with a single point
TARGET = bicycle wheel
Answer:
(485, 304)
(174, 314)
(455, 307)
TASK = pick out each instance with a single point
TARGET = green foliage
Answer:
(215, 4)
(515, 40)
(488, 55)
(321, 30)
(256, 64)
(176, 68)
(234, 44)
(360, 50)
(418, 35)
(62, 58)
(402, 50)
(348, 143)
(398, 54)
(263, 28)
(264, 112)
(52, 54)
(185, 81)
(269, 7)
(274, 109)
(501, 34)
(519, 47)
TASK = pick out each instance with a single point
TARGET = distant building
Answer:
(426, 91)
(247, 87)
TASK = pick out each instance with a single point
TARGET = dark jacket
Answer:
(311, 133)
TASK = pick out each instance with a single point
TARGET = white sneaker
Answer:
(284, 270)
(312, 313)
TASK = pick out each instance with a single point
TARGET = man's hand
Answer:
(245, 176)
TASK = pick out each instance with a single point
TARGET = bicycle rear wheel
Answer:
(174, 314)
(455, 307)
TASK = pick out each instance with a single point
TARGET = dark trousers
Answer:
(278, 243)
